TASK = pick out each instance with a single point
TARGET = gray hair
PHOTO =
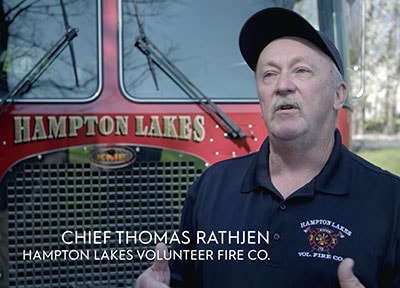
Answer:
(337, 77)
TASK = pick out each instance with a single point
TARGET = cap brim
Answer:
(272, 23)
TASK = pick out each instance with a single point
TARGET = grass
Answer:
(388, 159)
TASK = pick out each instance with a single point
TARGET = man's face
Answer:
(297, 94)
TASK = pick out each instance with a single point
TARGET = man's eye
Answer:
(269, 74)
(302, 70)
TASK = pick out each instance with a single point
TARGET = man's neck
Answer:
(292, 164)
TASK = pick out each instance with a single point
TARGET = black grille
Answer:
(47, 199)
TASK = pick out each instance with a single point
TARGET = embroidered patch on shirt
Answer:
(323, 237)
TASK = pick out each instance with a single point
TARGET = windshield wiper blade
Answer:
(143, 36)
(71, 45)
(33, 75)
(156, 57)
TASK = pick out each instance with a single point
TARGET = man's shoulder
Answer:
(222, 179)
(228, 171)
(371, 170)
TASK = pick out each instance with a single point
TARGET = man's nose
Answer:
(285, 84)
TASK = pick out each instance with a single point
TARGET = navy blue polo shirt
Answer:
(351, 209)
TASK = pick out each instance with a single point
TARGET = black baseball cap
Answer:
(269, 24)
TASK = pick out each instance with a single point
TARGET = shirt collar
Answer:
(333, 178)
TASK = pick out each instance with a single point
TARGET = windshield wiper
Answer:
(33, 75)
(143, 36)
(71, 45)
(156, 57)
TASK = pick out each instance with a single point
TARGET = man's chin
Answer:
(286, 133)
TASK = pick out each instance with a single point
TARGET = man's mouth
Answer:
(286, 107)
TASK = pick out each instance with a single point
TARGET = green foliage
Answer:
(371, 126)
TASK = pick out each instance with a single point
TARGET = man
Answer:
(323, 207)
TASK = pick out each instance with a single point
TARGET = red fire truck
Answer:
(109, 110)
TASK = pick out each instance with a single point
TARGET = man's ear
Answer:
(341, 95)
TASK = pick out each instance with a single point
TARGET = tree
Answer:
(376, 111)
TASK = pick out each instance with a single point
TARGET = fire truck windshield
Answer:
(34, 32)
(200, 38)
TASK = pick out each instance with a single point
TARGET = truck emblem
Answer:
(112, 156)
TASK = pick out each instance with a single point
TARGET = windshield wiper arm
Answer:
(155, 56)
(33, 75)
(71, 45)
(143, 36)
